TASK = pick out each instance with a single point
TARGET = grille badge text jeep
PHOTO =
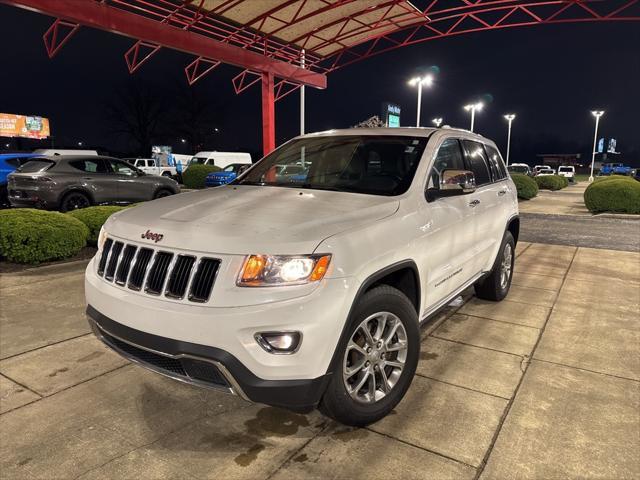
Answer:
(149, 235)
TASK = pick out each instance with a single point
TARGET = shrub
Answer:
(195, 175)
(34, 236)
(550, 182)
(565, 181)
(613, 194)
(526, 186)
(94, 218)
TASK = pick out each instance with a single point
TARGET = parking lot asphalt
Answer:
(583, 231)
(545, 384)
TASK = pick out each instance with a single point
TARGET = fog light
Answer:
(279, 342)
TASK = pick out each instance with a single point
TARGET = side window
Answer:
(496, 164)
(449, 157)
(89, 165)
(122, 168)
(476, 160)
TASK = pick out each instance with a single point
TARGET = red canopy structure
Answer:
(285, 44)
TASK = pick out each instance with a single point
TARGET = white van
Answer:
(55, 151)
(220, 159)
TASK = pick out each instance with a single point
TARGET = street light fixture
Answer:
(510, 117)
(437, 122)
(79, 144)
(597, 114)
(473, 107)
(420, 82)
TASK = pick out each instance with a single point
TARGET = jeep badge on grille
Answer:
(149, 235)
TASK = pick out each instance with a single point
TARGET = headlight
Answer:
(278, 270)
(101, 238)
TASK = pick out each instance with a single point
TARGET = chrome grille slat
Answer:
(114, 258)
(179, 277)
(122, 272)
(139, 270)
(176, 276)
(106, 249)
(158, 273)
(204, 279)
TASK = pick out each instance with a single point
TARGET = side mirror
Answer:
(452, 183)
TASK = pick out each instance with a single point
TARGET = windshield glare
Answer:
(376, 165)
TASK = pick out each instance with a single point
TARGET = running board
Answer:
(442, 303)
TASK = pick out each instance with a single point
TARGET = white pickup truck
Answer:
(151, 166)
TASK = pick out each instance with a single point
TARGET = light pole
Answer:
(509, 117)
(473, 107)
(597, 114)
(437, 122)
(420, 81)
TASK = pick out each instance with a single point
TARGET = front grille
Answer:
(189, 368)
(175, 276)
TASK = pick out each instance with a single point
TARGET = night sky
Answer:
(550, 76)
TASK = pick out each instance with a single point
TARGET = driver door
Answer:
(448, 231)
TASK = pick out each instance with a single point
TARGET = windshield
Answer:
(375, 165)
(198, 160)
(565, 169)
(518, 168)
(34, 166)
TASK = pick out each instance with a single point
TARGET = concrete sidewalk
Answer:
(568, 201)
(545, 384)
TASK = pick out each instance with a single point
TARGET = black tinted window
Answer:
(89, 165)
(122, 168)
(449, 157)
(476, 160)
(496, 164)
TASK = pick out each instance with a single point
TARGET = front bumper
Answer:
(204, 366)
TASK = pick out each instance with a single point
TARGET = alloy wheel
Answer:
(505, 266)
(76, 201)
(375, 357)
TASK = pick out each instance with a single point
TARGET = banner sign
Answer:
(27, 126)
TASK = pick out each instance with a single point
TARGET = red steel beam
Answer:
(268, 114)
(104, 17)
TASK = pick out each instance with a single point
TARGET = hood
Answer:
(250, 219)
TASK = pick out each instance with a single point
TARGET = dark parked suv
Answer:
(70, 182)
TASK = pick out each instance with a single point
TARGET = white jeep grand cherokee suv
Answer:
(308, 290)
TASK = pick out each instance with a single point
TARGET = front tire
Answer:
(376, 361)
(163, 192)
(496, 286)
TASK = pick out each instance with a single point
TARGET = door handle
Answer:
(501, 193)
(474, 203)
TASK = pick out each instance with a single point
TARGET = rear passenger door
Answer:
(488, 203)
(93, 175)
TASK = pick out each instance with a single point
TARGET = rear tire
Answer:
(163, 192)
(496, 286)
(74, 201)
(372, 372)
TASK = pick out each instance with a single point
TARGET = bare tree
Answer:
(137, 113)
(196, 117)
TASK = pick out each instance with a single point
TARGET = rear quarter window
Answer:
(35, 166)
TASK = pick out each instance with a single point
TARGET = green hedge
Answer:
(34, 236)
(613, 194)
(94, 218)
(551, 182)
(526, 186)
(195, 175)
